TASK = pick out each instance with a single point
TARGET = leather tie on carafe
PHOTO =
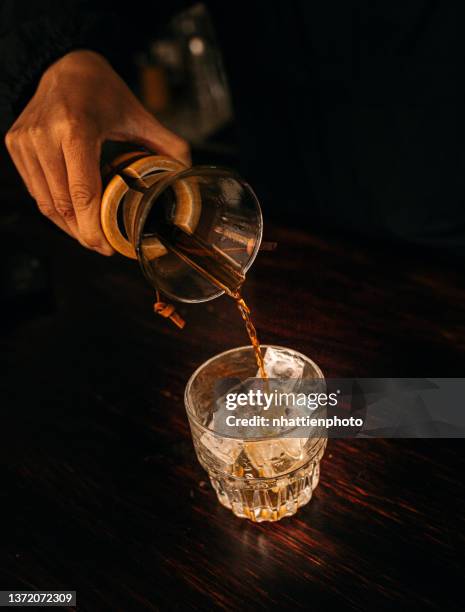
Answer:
(167, 310)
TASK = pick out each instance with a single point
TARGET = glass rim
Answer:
(187, 403)
(164, 183)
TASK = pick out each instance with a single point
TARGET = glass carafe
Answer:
(195, 231)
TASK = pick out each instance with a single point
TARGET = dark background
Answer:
(348, 114)
(100, 487)
(100, 490)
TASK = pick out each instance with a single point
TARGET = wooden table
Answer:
(100, 487)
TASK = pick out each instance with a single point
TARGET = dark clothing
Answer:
(350, 112)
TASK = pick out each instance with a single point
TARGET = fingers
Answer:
(62, 173)
(41, 193)
(59, 160)
(82, 159)
(31, 172)
(53, 168)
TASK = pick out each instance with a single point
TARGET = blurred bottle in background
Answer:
(182, 79)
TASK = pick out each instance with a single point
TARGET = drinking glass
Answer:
(259, 478)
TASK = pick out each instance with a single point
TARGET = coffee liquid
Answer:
(252, 332)
(216, 266)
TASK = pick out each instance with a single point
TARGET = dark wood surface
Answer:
(100, 489)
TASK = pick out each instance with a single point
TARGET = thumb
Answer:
(149, 132)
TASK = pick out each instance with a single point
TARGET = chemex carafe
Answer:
(195, 231)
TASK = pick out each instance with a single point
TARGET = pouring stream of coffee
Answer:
(217, 267)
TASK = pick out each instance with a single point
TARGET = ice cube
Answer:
(281, 363)
(272, 457)
(267, 456)
(224, 449)
(246, 411)
(285, 365)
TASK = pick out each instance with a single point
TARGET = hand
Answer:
(55, 143)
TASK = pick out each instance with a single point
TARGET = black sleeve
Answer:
(33, 35)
